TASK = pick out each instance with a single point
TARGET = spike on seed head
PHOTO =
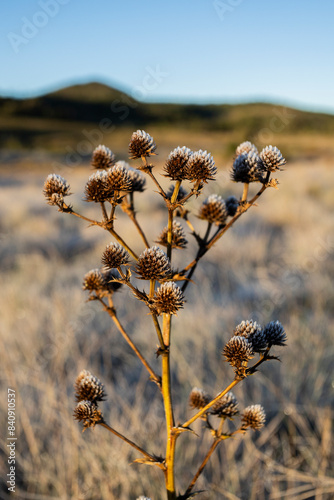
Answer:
(238, 350)
(102, 157)
(272, 159)
(201, 167)
(141, 145)
(115, 256)
(87, 412)
(198, 398)
(88, 387)
(254, 333)
(254, 417)
(275, 333)
(55, 188)
(214, 210)
(227, 406)
(176, 163)
(168, 298)
(247, 168)
(178, 237)
(232, 205)
(153, 264)
(246, 147)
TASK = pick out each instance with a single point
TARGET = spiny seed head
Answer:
(254, 333)
(227, 406)
(138, 181)
(214, 210)
(141, 145)
(88, 387)
(176, 163)
(153, 264)
(253, 416)
(237, 350)
(275, 333)
(201, 167)
(180, 195)
(246, 147)
(199, 398)
(247, 168)
(272, 159)
(168, 298)
(97, 188)
(103, 157)
(178, 237)
(87, 412)
(115, 256)
(101, 281)
(55, 188)
(231, 205)
(118, 178)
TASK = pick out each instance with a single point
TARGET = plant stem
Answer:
(203, 464)
(128, 208)
(217, 398)
(167, 398)
(131, 443)
(245, 192)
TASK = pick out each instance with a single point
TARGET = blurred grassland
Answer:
(277, 262)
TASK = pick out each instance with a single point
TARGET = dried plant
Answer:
(113, 187)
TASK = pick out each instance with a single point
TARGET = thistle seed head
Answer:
(138, 181)
(88, 387)
(55, 188)
(141, 145)
(214, 210)
(88, 412)
(238, 350)
(118, 178)
(201, 167)
(246, 147)
(275, 333)
(247, 168)
(153, 264)
(178, 236)
(272, 159)
(227, 406)
(199, 398)
(102, 157)
(254, 333)
(115, 256)
(253, 416)
(232, 205)
(97, 188)
(168, 298)
(180, 195)
(101, 281)
(176, 163)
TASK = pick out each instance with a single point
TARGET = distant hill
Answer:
(53, 120)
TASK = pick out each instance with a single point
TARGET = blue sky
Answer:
(192, 51)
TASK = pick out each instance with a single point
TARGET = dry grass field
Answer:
(277, 262)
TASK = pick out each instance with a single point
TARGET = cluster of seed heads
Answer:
(89, 390)
(115, 182)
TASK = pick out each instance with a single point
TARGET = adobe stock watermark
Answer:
(121, 109)
(224, 7)
(31, 27)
